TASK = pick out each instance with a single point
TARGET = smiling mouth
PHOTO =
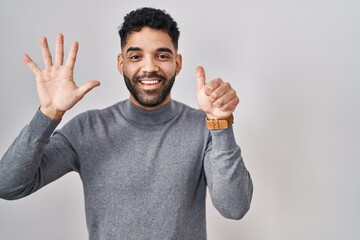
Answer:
(149, 82)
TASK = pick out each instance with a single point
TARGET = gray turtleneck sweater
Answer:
(144, 172)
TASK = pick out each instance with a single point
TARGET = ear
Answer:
(120, 63)
(178, 63)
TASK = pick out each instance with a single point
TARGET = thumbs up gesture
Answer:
(216, 98)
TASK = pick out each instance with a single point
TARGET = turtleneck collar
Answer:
(141, 116)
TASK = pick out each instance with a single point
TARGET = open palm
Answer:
(56, 87)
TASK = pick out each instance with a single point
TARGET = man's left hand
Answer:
(216, 97)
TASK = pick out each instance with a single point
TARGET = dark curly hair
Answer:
(152, 18)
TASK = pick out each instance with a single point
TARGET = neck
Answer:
(146, 117)
(163, 103)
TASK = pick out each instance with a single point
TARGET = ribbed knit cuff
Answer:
(41, 126)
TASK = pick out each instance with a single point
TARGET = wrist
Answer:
(209, 116)
(52, 113)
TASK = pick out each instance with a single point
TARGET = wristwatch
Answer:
(218, 124)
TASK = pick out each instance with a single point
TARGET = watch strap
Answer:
(218, 124)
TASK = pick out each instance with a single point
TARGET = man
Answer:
(144, 162)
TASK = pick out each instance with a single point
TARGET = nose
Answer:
(150, 65)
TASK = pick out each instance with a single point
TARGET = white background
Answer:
(295, 65)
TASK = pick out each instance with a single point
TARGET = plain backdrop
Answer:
(295, 65)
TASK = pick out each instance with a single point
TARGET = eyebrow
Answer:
(168, 50)
(133, 49)
(137, 49)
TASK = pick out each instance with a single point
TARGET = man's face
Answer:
(149, 64)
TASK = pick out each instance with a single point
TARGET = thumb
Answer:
(200, 74)
(82, 90)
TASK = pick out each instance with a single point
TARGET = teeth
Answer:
(150, 82)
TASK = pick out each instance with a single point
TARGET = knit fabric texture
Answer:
(144, 173)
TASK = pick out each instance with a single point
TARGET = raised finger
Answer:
(46, 52)
(201, 80)
(31, 64)
(70, 61)
(85, 88)
(59, 52)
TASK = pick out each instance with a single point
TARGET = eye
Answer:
(163, 56)
(135, 57)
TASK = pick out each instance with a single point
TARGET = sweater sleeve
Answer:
(33, 160)
(229, 182)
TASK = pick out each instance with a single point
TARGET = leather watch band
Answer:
(218, 124)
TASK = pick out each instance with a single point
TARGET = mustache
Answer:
(149, 75)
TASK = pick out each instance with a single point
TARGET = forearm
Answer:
(20, 164)
(229, 182)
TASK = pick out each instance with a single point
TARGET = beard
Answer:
(149, 98)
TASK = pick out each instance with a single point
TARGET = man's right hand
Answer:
(56, 88)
